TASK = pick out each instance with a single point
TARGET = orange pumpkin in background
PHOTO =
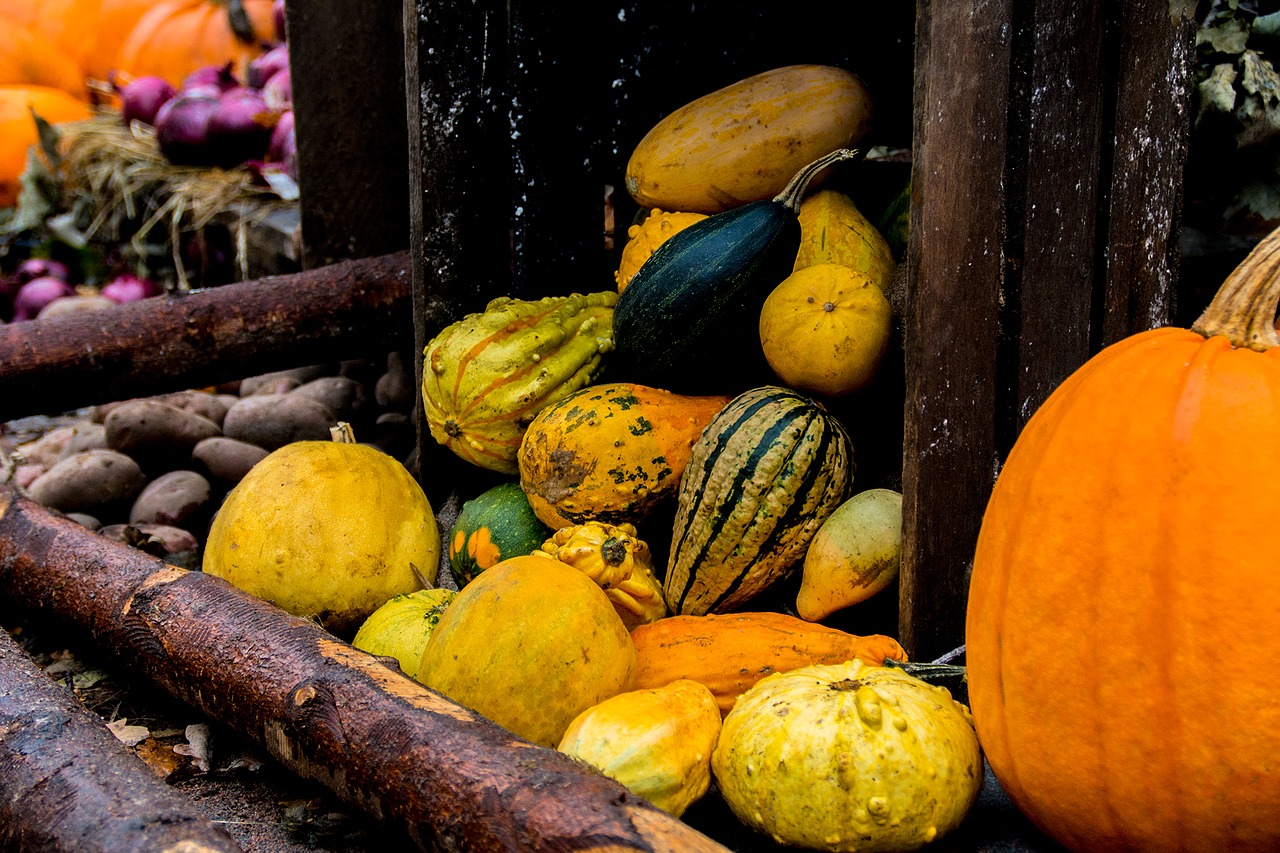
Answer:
(90, 32)
(18, 129)
(28, 58)
(176, 37)
(1121, 629)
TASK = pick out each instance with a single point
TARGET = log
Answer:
(376, 738)
(350, 309)
(68, 784)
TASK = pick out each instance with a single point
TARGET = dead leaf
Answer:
(197, 745)
(127, 734)
(160, 757)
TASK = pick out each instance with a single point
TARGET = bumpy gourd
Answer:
(730, 652)
(657, 742)
(328, 530)
(530, 644)
(1139, 505)
(849, 758)
(613, 557)
(401, 627)
(486, 376)
(647, 235)
(834, 231)
(612, 452)
(765, 473)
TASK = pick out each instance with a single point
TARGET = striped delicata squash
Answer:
(486, 376)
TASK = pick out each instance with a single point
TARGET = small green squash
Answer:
(689, 320)
(487, 375)
(494, 525)
(765, 474)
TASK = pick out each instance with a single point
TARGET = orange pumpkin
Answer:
(176, 37)
(21, 13)
(18, 129)
(1121, 628)
(90, 32)
(28, 58)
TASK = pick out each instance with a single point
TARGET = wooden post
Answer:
(1047, 163)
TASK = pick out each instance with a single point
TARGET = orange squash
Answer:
(1121, 629)
(28, 58)
(612, 452)
(730, 652)
(18, 129)
(176, 37)
(90, 32)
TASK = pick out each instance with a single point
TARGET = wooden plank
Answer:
(347, 69)
(1070, 197)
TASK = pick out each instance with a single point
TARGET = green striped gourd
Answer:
(486, 376)
(764, 475)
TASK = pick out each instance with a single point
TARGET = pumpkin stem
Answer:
(1244, 308)
(343, 433)
(613, 551)
(927, 671)
(796, 188)
(238, 19)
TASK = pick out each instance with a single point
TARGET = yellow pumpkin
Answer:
(834, 231)
(646, 236)
(855, 554)
(613, 557)
(401, 627)
(744, 142)
(825, 329)
(657, 742)
(530, 644)
(849, 758)
(328, 530)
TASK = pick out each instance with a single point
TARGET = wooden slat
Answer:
(1047, 169)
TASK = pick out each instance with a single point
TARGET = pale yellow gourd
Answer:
(855, 554)
(657, 742)
(834, 231)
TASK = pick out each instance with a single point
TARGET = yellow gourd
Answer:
(834, 231)
(657, 742)
(613, 557)
(849, 758)
(825, 329)
(855, 554)
(646, 236)
(530, 644)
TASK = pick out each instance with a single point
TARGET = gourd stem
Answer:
(1244, 308)
(927, 671)
(795, 189)
(342, 433)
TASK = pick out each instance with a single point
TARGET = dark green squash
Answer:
(496, 524)
(765, 474)
(689, 319)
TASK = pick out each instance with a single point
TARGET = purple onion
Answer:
(266, 65)
(182, 129)
(278, 16)
(212, 75)
(278, 91)
(284, 145)
(142, 98)
(36, 294)
(128, 287)
(39, 268)
(240, 128)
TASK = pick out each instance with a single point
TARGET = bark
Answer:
(66, 783)
(378, 739)
(171, 343)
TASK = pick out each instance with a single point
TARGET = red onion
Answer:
(38, 293)
(278, 91)
(142, 98)
(40, 267)
(284, 145)
(212, 75)
(278, 16)
(240, 128)
(264, 66)
(182, 129)
(127, 287)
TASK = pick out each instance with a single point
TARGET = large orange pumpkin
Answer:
(90, 32)
(176, 37)
(28, 58)
(1122, 638)
(18, 129)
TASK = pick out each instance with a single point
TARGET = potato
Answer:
(212, 406)
(396, 387)
(178, 498)
(274, 420)
(158, 435)
(293, 378)
(75, 305)
(46, 450)
(226, 459)
(171, 540)
(346, 398)
(89, 480)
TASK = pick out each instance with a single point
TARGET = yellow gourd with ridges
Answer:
(657, 742)
(647, 235)
(834, 231)
(613, 557)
